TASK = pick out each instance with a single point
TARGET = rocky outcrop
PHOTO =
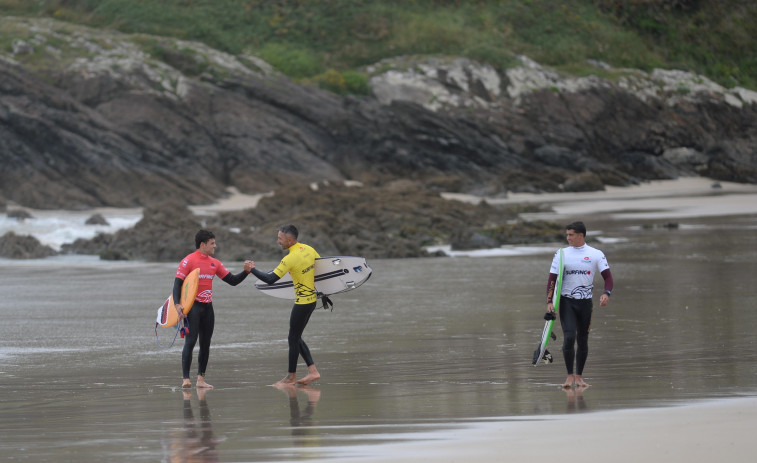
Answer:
(397, 220)
(97, 118)
(164, 234)
(13, 246)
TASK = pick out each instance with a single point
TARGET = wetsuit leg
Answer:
(201, 323)
(193, 319)
(575, 319)
(582, 334)
(298, 320)
(206, 333)
(568, 321)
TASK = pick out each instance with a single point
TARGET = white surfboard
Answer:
(333, 275)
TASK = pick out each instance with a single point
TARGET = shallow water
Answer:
(426, 344)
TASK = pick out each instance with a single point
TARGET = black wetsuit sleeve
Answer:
(233, 279)
(607, 275)
(177, 284)
(269, 278)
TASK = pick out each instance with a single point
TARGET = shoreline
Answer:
(684, 197)
(687, 197)
(713, 430)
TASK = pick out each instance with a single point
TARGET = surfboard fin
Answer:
(546, 358)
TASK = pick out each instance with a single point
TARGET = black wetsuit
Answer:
(298, 320)
(201, 321)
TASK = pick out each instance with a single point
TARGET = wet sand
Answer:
(709, 431)
(413, 367)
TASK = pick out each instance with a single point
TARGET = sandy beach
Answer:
(450, 387)
(709, 431)
(659, 199)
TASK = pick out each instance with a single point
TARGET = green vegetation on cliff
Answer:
(327, 40)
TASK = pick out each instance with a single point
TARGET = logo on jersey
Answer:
(578, 272)
(204, 296)
(302, 291)
(581, 292)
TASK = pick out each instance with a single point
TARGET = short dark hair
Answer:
(289, 230)
(203, 236)
(577, 227)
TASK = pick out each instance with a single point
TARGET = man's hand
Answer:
(180, 310)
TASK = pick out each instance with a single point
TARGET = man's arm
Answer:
(551, 282)
(234, 280)
(269, 278)
(604, 299)
(177, 284)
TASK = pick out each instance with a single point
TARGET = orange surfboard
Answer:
(167, 315)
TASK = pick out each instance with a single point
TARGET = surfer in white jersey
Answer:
(581, 263)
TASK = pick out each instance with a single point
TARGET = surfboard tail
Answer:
(163, 312)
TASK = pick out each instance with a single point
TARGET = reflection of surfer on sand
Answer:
(576, 401)
(580, 263)
(195, 443)
(300, 419)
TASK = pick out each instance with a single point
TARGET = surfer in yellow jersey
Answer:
(300, 264)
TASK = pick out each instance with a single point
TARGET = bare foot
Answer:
(186, 383)
(580, 382)
(187, 395)
(202, 384)
(569, 381)
(289, 379)
(312, 375)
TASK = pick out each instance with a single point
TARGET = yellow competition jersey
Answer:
(300, 263)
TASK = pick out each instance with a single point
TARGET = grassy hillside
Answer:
(316, 38)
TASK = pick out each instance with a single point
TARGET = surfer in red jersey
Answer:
(581, 263)
(300, 264)
(201, 318)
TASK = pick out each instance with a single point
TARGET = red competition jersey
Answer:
(209, 267)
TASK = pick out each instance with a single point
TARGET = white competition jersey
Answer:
(580, 266)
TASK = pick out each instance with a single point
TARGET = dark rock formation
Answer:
(335, 219)
(165, 233)
(96, 219)
(117, 125)
(19, 214)
(122, 128)
(14, 246)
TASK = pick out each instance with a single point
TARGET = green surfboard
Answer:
(541, 353)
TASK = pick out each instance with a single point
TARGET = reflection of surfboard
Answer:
(333, 275)
(167, 315)
(541, 352)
